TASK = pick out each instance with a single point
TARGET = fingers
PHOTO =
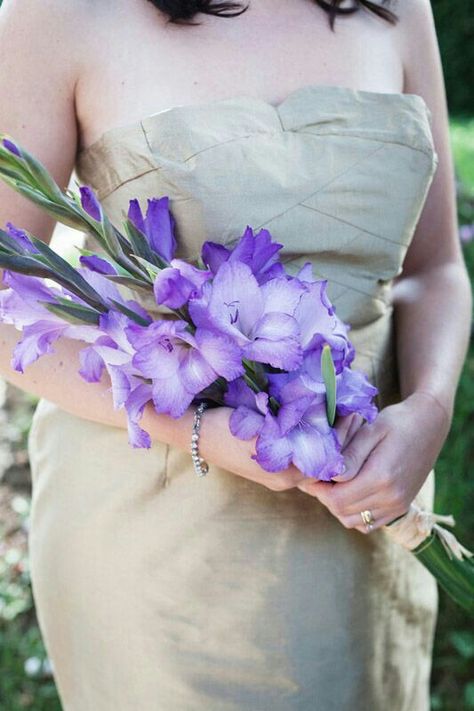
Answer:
(380, 518)
(346, 427)
(363, 441)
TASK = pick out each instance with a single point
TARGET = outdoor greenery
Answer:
(454, 20)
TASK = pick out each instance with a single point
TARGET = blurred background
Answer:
(26, 680)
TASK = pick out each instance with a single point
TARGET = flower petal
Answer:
(245, 423)
(221, 352)
(134, 406)
(354, 393)
(89, 203)
(36, 341)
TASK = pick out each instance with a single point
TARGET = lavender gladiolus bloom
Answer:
(157, 226)
(250, 409)
(20, 306)
(354, 393)
(256, 250)
(300, 434)
(181, 364)
(90, 204)
(258, 318)
(179, 282)
(112, 351)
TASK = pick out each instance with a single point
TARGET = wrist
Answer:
(432, 400)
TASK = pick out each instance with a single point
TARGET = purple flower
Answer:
(10, 146)
(300, 434)
(258, 318)
(22, 238)
(20, 306)
(97, 264)
(250, 409)
(113, 351)
(157, 226)
(90, 204)
(319, 325)
(354, 393)
(256, 250)
(176, 284)
(181, 364)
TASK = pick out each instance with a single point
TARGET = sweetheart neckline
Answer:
(214, 103)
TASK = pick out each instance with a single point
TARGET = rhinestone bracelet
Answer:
(200, 466)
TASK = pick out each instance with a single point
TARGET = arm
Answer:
(432, 311)
(38, 109)
(433, 294)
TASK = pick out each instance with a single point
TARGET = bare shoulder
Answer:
(48, 31)
(419, 51)
(41, 53)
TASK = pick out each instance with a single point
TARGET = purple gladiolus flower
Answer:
(258, 318)
(10, 146)
(258, 251)
(22, 238)
(90, 204)
(354, 393)
(250, 409)
(181, 364)
(300, 434)
(112, 351)
(20, 305)
(179, 282)
(157, 226)
(97, 264)
(320, 325)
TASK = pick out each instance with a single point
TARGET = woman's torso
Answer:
(133, 64)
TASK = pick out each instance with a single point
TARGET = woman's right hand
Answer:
(217, 445)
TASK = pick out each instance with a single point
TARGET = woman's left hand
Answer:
(387, 462)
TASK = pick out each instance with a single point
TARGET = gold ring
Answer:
(368, 519)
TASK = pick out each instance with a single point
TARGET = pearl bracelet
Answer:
(200, 466)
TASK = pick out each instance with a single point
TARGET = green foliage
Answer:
(454, 20)
(453, 663)
(26, 680)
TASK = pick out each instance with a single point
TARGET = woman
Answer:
(157, 589)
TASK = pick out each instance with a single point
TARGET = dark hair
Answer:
(183, 11)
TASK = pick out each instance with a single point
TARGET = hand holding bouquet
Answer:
(236, 330)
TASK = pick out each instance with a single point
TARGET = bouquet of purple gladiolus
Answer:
(245, 333)
(235, 329)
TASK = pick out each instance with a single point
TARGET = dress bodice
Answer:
(338, 176)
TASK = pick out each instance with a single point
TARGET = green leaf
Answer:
(151, 268)
(67, 274)
(455, 576)
(130, 282)
(329, 376)
(25, 265)
(74, 313)
(131, 314)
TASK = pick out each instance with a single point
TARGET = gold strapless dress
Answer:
(160, 591)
